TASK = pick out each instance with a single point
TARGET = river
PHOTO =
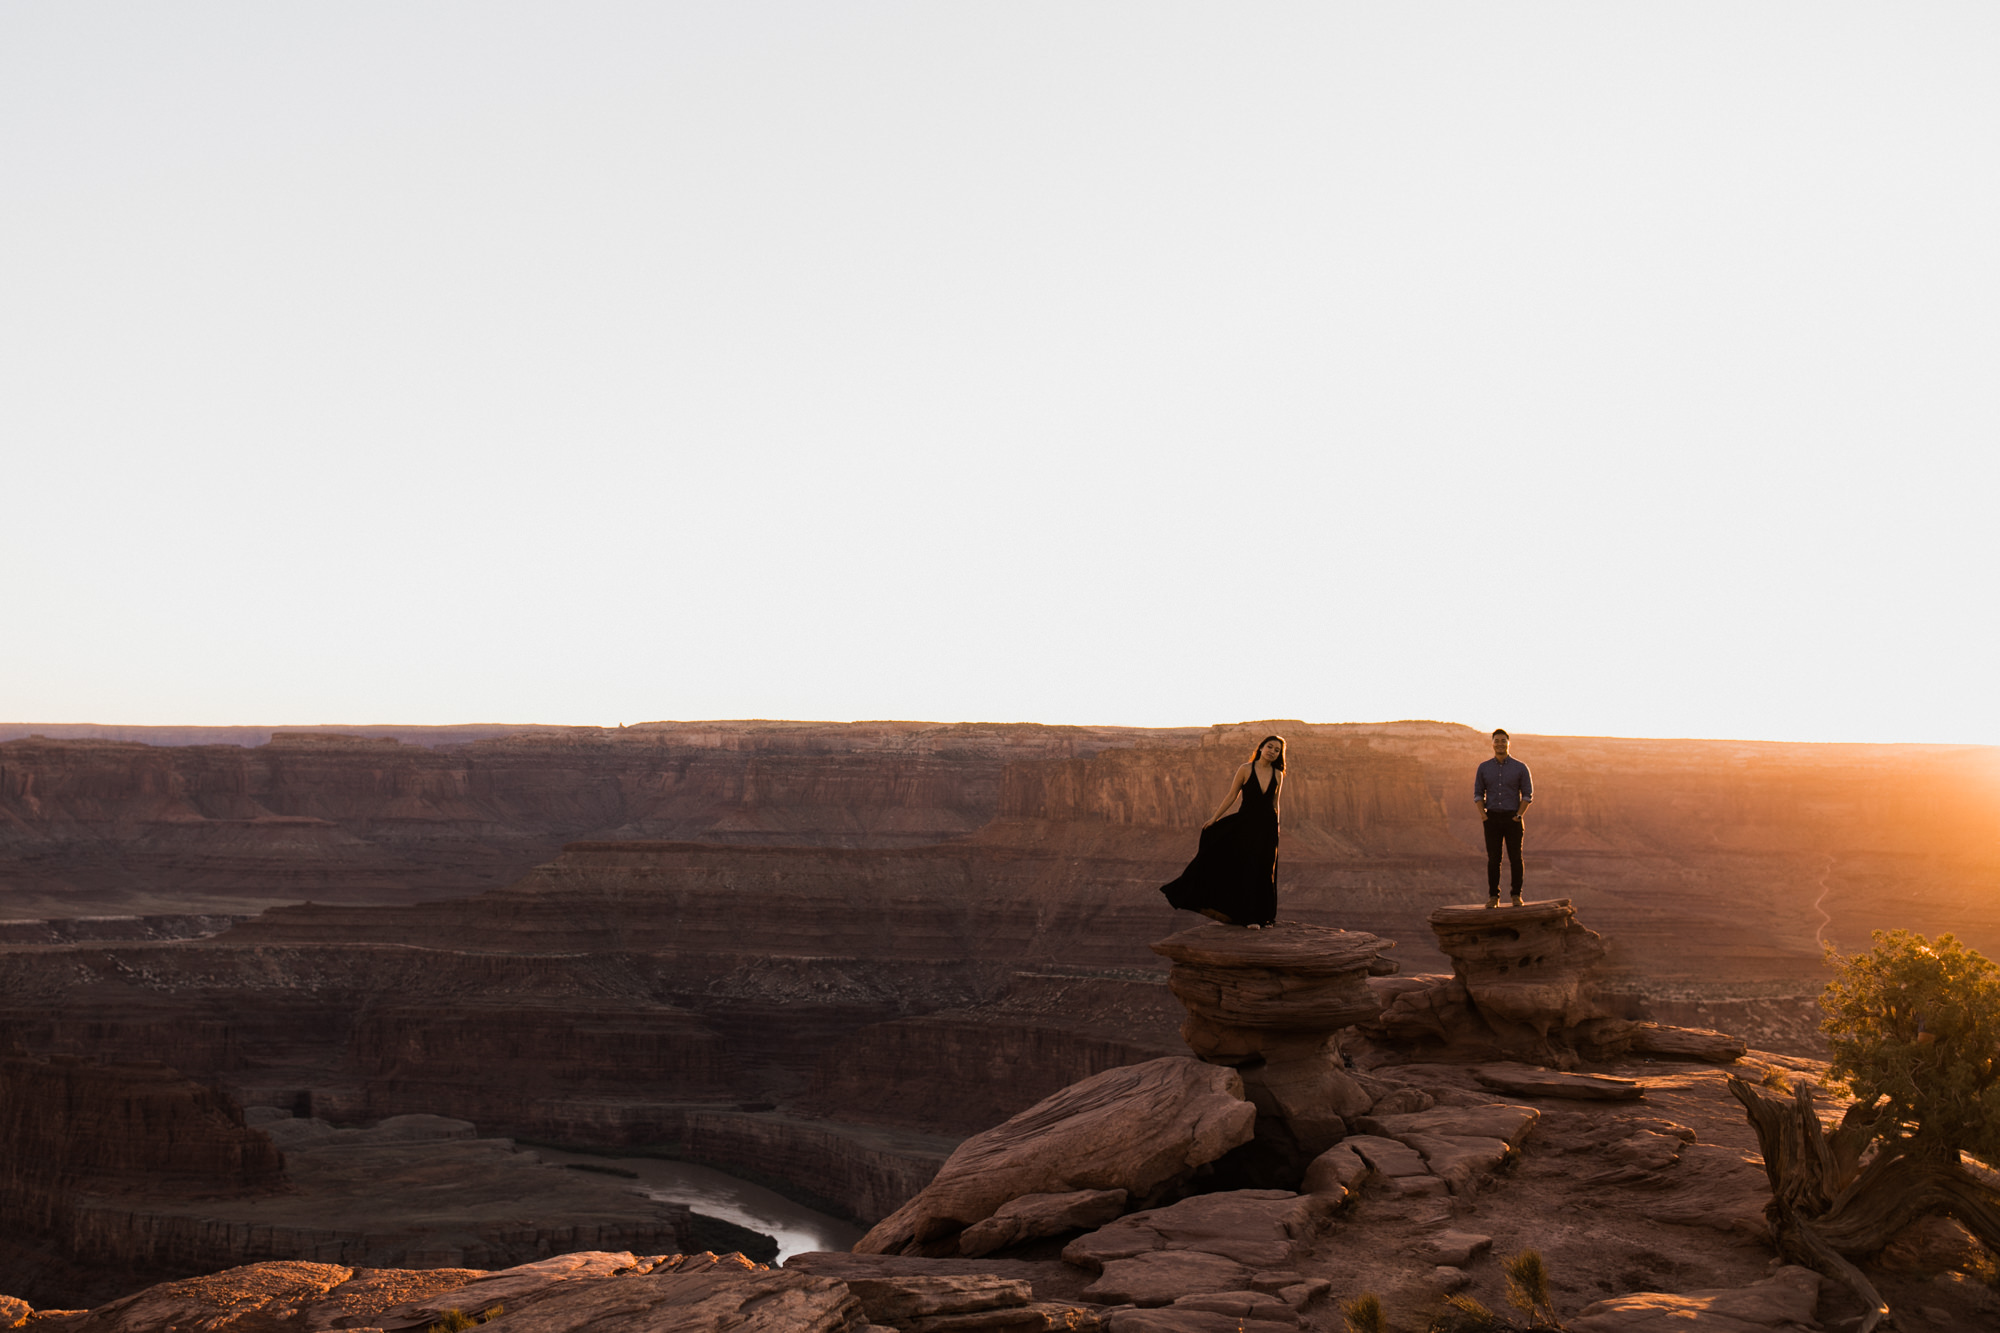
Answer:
(796, 1228)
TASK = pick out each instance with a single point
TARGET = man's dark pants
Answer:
(1503, 826)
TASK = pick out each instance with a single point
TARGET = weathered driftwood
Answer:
(1829, 1207)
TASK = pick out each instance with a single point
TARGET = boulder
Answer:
(1033, 1216)
(1521, 1080)
(1392, 1097)
(1299, 1295)
(1313, 1095)
(1139, 1128)
(1163, 1277)
(1931, 1244)
(1257, 1228)
(1337, 1172)
(14, 1311)
(1785, 1300)
(1456, 1249)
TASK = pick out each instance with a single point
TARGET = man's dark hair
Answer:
(1501, 731)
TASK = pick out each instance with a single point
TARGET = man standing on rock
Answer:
(1504, 791)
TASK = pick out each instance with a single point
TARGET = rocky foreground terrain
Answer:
(1339, 1132)
(824, 955)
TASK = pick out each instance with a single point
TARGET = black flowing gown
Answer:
(1235, 867)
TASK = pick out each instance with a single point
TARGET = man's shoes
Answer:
(1493, 900)
(1514, 900)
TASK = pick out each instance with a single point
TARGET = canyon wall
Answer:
(820, 953)
(93, 826)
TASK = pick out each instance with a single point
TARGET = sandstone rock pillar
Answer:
(1268, 1003)
(1523, 985)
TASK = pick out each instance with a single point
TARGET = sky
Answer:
(1572, 368)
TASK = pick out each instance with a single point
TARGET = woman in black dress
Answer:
(1234, 875)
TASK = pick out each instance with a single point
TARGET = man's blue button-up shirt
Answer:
(1503, 784)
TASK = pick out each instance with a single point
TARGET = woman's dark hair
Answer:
(1280, 765)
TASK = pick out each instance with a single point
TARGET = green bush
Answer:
(1914, 1027)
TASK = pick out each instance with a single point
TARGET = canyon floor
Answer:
(1663, 1194)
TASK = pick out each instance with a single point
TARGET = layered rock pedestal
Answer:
(1268, 1003)
(1523, 984)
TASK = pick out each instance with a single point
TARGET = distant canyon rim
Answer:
(824, 953)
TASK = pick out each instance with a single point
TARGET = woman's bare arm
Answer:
(1277, 790)
(1242, 776)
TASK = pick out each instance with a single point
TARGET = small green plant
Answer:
(1776, 1079)
(457, 1321)
(1364, 1314)
(1528, 1288)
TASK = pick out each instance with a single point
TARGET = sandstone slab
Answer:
(1687, 1043)
(1139, 1128)
(1459, 1161)
(14, 1311)
(1521, 1080)
(1510, 1124)
(1256, 1306)
(510, 1286)
(245, 1296)
(1033, 1216)
(1034, 1318)
(1171, 1320)
(1719, 1187)
(1256, 1228)
(1387, 1157)
(894, 1300)
(711, 1301)
(1164, 1276)
(1785, 1300)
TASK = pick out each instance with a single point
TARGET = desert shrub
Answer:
(457, 1321)
(1363, 1314)
(1462, 1314)
(1528, 1287)
(1914, 1027)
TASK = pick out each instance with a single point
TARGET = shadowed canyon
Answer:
(819, 955)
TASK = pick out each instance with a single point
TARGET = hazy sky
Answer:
(1587, 368)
